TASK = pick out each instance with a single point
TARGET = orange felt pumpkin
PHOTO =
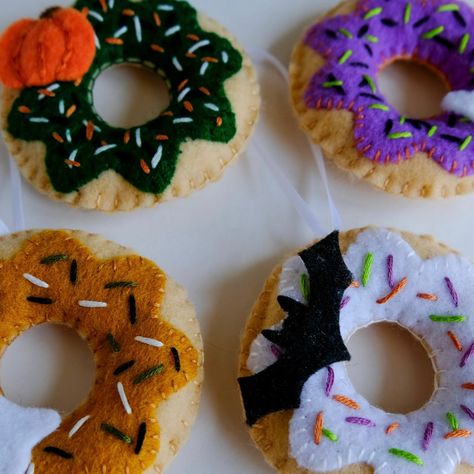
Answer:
(59, 46)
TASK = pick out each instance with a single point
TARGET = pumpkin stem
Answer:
(49, 12)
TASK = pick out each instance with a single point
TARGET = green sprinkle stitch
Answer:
(406, 455)
(407, 15)
(465, 143)
(53, 259)
(403, 119)
(371, 83)
(464, 42)
(367, 269)
(116, 432)
(453, 421)
(433, 33)
(439, 318)
(304, 286)
(120, 284)
(147, 374)
(397, 136)
(433, 130)
(383, 107)
(330, 435)
(449, 7)
(346, 33)
(471, 70)
(330, 84)
(372, 38)
(374, 12)
(113, 343)
(345, 56)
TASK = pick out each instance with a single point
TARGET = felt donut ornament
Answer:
(69, 152)
(338, 102)
(146, 343)
(303, 411)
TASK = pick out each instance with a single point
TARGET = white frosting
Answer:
(363, 444)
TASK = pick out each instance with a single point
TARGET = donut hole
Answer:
(127, 96)
(391, 368)
(48, 366)
(416, 90)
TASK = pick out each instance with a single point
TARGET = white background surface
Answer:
(223, 241)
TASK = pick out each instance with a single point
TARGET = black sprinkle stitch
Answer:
(177, 361)
(370, 96)
(460, 19)
(122, 368)
(451, 138)
(363, 31)
(389, 22)
(132, 305)
(369, 50)
(359, 64)
(421, 21)
(331, 34)
(388, 126)
(140, 438)
(39, 300)
(444, 42)
(73, 272)
(58, 452)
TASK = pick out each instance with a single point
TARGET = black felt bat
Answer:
(310, 337)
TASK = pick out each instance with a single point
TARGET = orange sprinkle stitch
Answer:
(157, 19)
(219, 121)
(427, 296)
(391, 428)
(183, 85)
(24, 109)
(85, 11)
(168, 113)
(193, 37)
(103, 4)
(58, 137)
(190, 55)
(318, 428)
(128, 12)
(457, 343)
(116, 41)
(46, 92)
(71, 110)
(145, 167)
(396, 289)
(468, 386)
(457, 434)
(348, 402)
(90, 130)
(355, 284)
(162, 138)
(126, 137)
(72, 163)
(157, 48)
(205, 91)
(188, 106)
(209, 59)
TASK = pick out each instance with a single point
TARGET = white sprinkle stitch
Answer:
(53, 87)
(35, 281)
(68, 135)
(138, 137)
(225, 57)
(79, 425)
(96, 15)
(39, 120)
(157, 158)
(31, 469)
(120, 32)
(184, 93)
(212, 107)
(203, 68)
(171, 31)
(149, 341)
(92, 304)
(123, 398)
(97, 42)
(72, 157)
(177, 64)
(138, 28)
(199, 44)
(183, 120)
(111, 4)
(62, 107)
(102, 149)
(165, 8)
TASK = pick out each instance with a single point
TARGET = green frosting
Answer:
(205, 60)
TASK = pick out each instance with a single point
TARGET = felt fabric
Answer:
(51, 257)
(21, 429)
(459, 102)
(60, 46)
(309, 338)
(361, 433)
(166, 38)
(356, 45)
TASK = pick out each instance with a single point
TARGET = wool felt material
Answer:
(362, 433)
(459, 102)
(165, 38)
(21, 429)
(311, 328)
(110, 302)
(355, 46)
(63, 36)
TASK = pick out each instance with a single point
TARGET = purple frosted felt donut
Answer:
(336, 66)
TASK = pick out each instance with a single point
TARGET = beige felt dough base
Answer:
(199, 163)
(271, 433)
(177, 414)
(333, 131)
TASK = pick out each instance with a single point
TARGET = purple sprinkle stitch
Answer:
(452, 291)
(467, 411)
(467, 356)
(428, 436)
(276, 351)
(344, 302)
(356, 420)
(391, 282)
(329, 381)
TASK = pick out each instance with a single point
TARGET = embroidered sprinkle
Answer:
(35, 281)
(123, 398)
(406, 455)
(147, 374)
(116, 432)
(92, 304)
(149, 341)
(79, 425)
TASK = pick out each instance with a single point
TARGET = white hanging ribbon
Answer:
(262, 56)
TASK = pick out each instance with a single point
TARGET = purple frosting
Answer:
(356, 46)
